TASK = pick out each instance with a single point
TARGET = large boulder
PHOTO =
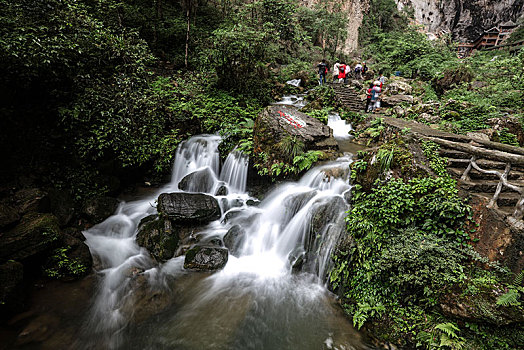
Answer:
(277, 124)
(98, 209)
(394, 100)
(198, 181)
(35, 234)
(188, 208)
(157, 235)
(204, 258)
(398, 87)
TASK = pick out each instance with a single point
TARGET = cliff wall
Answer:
(464, 19)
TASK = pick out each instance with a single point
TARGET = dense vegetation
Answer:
(103, 88)
(98, 89)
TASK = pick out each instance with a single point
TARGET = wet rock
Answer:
(100, 208)
(232, 214)
(74, 232)
(61, 205)
(234, 238)
(252, 202)
(203, 258)
(31, 200)
(35, 234)
(145, 300)
(326, 212)
(198, 181)
(189, 208)
(8, 216)
(394, 100)
(79, 253)
(11, 277)
(221, 191)
(157, 235)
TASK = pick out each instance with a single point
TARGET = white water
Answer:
(293, 100)
(255, 302)
(341, 130)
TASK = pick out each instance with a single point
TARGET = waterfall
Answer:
(257, 301)
(234, 171)
(341, 130)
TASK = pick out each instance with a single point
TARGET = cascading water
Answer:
(256, 301)
(340, 128)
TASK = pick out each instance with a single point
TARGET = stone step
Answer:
(508, 199)
(486, 186)
(449, 153)
(476, 175)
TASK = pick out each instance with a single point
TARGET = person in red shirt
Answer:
(342, 72)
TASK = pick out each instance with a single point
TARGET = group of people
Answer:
(341, 71)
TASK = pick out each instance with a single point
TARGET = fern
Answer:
(385, 157)
(448, 328)
(510, 298)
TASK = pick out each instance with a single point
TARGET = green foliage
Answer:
(60, 265)
(512, 296)
(382, 17)
(411, 53)
(436, 162)
(320, 114)
(385, 158)
(504, 136)
(290, 147)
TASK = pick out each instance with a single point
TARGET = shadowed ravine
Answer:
(271, 293)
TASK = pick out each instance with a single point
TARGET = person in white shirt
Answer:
(335, 71)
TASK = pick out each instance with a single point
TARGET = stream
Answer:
(270, 295)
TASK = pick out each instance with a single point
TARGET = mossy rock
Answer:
(157, 235)
(35, 234)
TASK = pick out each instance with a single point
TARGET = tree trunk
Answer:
(187, 35)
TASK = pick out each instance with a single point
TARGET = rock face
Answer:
(156, 234)
(35, 234)
(198, 181)
(204, 258)
(465, 19)
(189, 208)
(497, 240)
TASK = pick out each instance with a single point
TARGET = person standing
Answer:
(342, 72)
(335, 71)
(322, 71)
(375, 96)
(382, 79)
(358, 71)
(368, 97)
(364, 68)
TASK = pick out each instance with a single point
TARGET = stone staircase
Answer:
(485, 184)
(348, 97)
